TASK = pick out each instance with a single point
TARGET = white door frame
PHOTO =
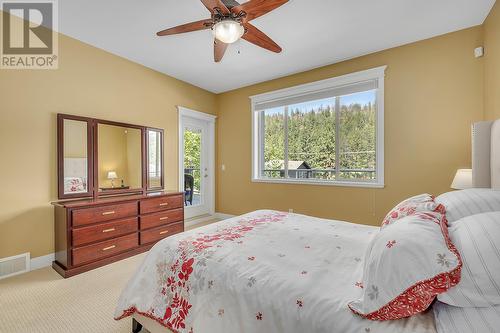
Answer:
(210, 119)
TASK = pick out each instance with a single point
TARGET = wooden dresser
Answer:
(96, 232)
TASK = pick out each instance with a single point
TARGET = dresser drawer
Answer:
(157, 219)
(159, 204)
(85, 254)
(104, 213)
(103, 231)
(154, 235)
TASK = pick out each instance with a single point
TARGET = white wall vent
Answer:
(14, 265)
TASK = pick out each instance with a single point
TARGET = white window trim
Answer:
(370, 74)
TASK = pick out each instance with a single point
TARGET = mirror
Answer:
(74, 163)
(155, 158)
(119, 158)
(102, 158)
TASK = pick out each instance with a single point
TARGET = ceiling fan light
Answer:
(228, 31)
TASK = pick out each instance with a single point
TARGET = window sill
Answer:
(319, 182)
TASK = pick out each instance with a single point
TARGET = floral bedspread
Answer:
(266, 271)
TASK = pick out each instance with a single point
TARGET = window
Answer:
(326, 132)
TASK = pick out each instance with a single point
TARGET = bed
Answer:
(270, 271)
(266, 271)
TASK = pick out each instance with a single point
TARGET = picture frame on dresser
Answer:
(96, 222)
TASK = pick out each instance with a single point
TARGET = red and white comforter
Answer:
(266, 271)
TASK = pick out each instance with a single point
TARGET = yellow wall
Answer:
(89, 82)
(492, 63)
(434, 91)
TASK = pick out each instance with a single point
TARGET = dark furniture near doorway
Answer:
(114, 188)
(96, 232)
(188, 189)
(103, 224)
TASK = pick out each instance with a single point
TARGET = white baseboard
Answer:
(41, 262)
(223, 216)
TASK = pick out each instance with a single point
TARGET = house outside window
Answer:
(329, 132)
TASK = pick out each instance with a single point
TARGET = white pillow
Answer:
(477, 239)
(469, 202)
(451, 319)
(407, 264)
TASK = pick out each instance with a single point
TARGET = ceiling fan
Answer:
(230, 22)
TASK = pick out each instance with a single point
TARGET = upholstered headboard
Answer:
(486, 154)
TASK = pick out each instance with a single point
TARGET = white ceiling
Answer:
(312, 33)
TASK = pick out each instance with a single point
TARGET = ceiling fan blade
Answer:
(219, 50)
(188, 27)
(213, 4)
(230, 3)
(257, 8)
(257, 37)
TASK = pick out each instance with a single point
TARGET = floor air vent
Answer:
(14, 265)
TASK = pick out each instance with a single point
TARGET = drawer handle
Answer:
(164, 232)
(163, 218)
(111, 212)
(109, 248)
(164, 204)
(108, 230)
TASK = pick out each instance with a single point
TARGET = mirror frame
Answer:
(60, 157)
(92, 158)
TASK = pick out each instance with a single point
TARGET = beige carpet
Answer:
(42, 301)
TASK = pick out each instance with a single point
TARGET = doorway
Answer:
(197, 162)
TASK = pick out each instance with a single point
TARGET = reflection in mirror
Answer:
(119, 158)
(75, 156)
(154, 159)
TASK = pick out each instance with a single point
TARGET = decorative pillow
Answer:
(418, 203)
(451, 319)
(406, 265)
(469, 202)
(477, 238)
